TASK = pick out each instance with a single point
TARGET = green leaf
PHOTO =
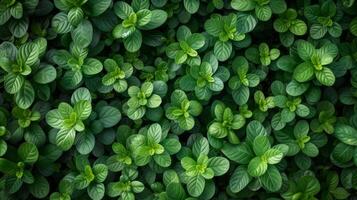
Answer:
(340, 193)
(298, 27)
(222, 50)
(135, 114)
(28, 54)
(305, 50)
(200, 147)
(261, 144)
(195, 185)
(97, 7)
(54, 119)
(83, 109)
(85, 143)
(325, 76)
(40, 188)
(186, 123)
(317, 31)
(28, 153)
(219, 165)
(243, 5)
(188, 163)
(144, 17)
(65, 138)
(45, 75)
(96, 191)
(25, 96)
(254, 128)
(175, 191)
(191, 5)
(83, 34)
(17, 10)
(81, 94)
(196, 41)
(271, 180)
(240, 153)
(75, 16)
(295, 88)
(100, 172)
(154, 134)
(280, 25)
(81, 182)
(239, 179)
(353, 27)
(140, 4)
(274, 156)
(278, 6)
(122, 9)
(213, 26)
(245, 23)
(171, 145)
(154, 101)
(163, 160)
(133, 42)
(60, 23)
(109, 116)
(7, 167)
(263, 13)
(277, 122)
(310, 150)
(19, 27)
(92, 66)
(257, 167)
(346, 134)
(303, 72)
(158, 18)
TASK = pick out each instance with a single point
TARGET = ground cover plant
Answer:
(178, 99)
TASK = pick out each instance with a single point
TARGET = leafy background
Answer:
(178, 99)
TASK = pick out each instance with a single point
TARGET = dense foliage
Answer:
(178, 99)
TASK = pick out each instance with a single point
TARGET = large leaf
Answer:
(271, 180)
(83, 34)
(65, 138)
(28, 153)
(239, 179)
(25, 96)
(191, 5)
(346, 134)
(196, 185)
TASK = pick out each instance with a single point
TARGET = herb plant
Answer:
(178, 99)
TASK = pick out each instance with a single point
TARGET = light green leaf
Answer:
(257, 167)
(303, 72)
(219, 165)
(325, 76)
(65, 138)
